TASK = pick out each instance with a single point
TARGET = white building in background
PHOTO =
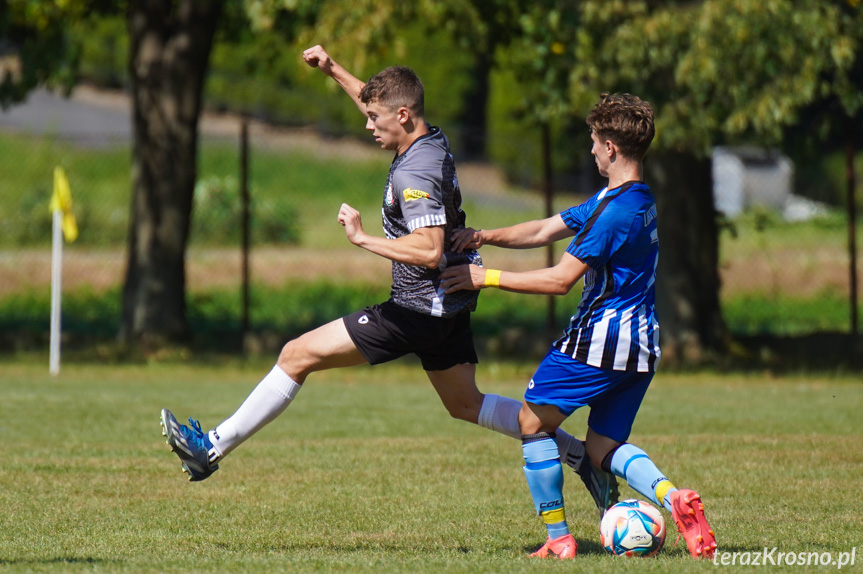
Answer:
(747, 177)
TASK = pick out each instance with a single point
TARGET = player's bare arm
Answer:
(557, 280)
(317, 57)
(526, 235)
(423, 247)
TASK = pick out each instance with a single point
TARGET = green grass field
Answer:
(365, 472)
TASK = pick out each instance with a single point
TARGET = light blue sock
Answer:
(544, 475)
(634, 466)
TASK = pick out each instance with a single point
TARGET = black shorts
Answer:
(388, 331)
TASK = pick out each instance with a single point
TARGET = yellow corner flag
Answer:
(62, 200)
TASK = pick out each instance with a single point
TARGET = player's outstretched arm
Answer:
(557, 280)
(317, 57)
(526, 235)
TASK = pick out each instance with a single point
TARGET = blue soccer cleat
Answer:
(192, 445)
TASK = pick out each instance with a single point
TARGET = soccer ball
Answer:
(632, 528)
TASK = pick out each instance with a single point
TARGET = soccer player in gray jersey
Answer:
(422, 191)
(421, 210)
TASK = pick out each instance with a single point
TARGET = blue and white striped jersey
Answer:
(615, 326)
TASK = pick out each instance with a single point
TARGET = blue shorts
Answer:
(613, 396)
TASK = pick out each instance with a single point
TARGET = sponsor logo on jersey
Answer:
(389, 198)
(530, 384)
(412, 194)
(363, 320)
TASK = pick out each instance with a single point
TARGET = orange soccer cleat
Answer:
(688, 513)
(561, 548)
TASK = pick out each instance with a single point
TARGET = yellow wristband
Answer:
(492, 278)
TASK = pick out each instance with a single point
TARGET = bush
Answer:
(218, 211)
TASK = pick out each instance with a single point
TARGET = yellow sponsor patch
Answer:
(412, 194)
(553, 516)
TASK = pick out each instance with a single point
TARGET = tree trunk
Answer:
(688, 282)
(170, 43)
(473, 118)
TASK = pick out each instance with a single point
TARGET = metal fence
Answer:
(785, 266)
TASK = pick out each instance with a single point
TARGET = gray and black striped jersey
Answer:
(422, 191)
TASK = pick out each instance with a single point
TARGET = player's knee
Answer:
(286, 353)
(293, 361)
(457, 413)
(598, 451)
(595, 459)
(463, 411)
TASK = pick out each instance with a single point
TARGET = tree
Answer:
(170, 43)
(481, 28)
(541, 63)
(34, 46)
(478, 27)
(717, 71)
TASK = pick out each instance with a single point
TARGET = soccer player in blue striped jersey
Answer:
(609, 352)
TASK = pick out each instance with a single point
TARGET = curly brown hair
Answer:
(626, 120)
(395, 87)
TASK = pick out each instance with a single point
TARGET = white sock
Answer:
(267, 401)
(501, 414)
